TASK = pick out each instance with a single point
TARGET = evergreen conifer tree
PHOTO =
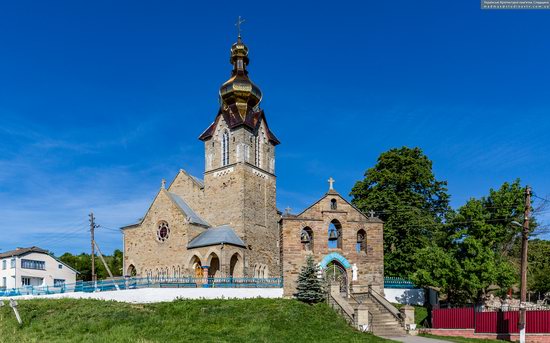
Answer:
(310, 288)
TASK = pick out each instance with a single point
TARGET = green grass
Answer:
(462, 339)
(420, 313)
(255, 320)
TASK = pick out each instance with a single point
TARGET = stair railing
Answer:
(335, 304)
(385, 303)
(358, 301)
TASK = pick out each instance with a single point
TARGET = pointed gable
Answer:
(231, 116)
(179, 203)
(312, 211)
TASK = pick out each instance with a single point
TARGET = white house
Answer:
(33, 267)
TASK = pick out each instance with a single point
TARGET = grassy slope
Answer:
(258, 320)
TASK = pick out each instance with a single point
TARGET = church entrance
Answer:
(236, 266)
(336, 273)
(214, 267)
(197, 267)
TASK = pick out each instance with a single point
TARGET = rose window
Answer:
(163, 231)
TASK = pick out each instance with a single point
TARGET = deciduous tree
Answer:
(403, 191)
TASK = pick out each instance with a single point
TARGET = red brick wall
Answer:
(469, 333)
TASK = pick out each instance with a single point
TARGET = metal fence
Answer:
(397, 282)
(485, 321)
(137, 283)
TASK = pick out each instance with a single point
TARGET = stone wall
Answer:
(370, 263)
(146, 253)
(240, 194)
(190, 190)
(242, 147)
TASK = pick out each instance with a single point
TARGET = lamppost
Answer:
(524, 244)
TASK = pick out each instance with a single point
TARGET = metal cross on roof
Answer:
(238, 25)
(331, 183)
(288, 209)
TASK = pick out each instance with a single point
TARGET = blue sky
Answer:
(101, 100)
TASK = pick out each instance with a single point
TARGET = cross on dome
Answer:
(238, 25)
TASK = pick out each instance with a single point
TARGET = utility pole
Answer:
(524, 242)
(106, 266)
(92, 229)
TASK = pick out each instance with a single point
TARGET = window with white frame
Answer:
(58, 282)
(13, 263)
(4, 282)
(4, 264)
(33, 264)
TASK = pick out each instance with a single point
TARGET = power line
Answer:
(54, 236)
(540, 198)
(108, 228)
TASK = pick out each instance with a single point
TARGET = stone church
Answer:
(227, 223)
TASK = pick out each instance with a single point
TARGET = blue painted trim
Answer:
(334, 257)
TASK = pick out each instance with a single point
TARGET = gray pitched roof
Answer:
(199, 181)
(215, 236)
(187, 210)
(22, 251)
(19, 252)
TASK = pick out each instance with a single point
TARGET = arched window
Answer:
(131, 271)
(361, 241)
(225, 148)
(258, 151)
(306, 238)
(335, 235)
(333, 205)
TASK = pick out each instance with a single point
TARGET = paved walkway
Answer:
(416, 339)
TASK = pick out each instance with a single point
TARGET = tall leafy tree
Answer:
(538, 271)
(491, 219)
(476, 252)
(403, 191)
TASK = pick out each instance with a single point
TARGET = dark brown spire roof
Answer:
(233, 119)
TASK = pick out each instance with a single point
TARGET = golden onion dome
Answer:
(239, 90)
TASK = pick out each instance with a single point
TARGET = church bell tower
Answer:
(239, 177)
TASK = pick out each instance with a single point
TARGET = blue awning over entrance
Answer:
(334, 257)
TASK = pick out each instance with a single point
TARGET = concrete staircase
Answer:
(383, 318)
(384, 323)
